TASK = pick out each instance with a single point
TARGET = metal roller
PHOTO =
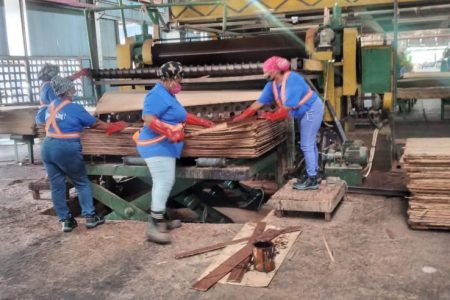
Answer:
(189, 71)
(236, 50)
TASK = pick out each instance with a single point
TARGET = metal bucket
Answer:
(263, 256)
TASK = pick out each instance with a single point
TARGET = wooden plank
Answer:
(212, 277)
(238, 272)
(427, 162)
(114, 101)
(252, 278)
(409, 75)
(423, 93)
(18, 121)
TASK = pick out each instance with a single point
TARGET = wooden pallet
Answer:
(324, 200)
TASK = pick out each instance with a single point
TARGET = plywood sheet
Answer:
(134, 100)
(249, 139)
(427, 162)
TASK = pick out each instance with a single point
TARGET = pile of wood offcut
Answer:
(248, 139)
(427, 162)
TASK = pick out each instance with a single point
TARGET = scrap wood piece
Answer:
(284, 245)
(328, 249)
(238, 272)
(226, 266)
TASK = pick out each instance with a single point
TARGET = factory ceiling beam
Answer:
(239, 9)
(70, 3)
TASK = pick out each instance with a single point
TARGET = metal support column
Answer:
(394, 92)
(122, 14)
(93, 47)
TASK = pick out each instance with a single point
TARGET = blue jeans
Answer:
(309, 125)
(62, 157)
(162, 170)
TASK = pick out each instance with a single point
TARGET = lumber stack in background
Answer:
(248, 139)
(427, 163)
(19, 121)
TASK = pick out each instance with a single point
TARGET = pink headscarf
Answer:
(277, 64)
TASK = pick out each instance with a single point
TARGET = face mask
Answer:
(175, 89)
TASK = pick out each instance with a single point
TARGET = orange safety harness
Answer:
(51, 121)
(157, 139)
(280, 101)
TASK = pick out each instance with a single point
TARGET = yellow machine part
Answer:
(350, 83)
(147, 52)
(124, 55)
(388, 102)
(248, 8)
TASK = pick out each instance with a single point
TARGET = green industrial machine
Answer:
(348, 163)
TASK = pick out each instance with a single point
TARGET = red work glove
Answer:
(279, 114)
(173, 134)
(194, 120)
(82, 72)
(245, 114)
(115, 127)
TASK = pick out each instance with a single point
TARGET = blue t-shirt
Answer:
(71, 118)
(296, 89)
(46, 95)
(160, 103)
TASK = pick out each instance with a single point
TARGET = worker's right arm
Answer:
(265, 98)
(151, 115)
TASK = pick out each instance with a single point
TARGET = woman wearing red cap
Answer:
(294, 98)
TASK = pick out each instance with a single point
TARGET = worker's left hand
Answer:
(279, 114)
(115, 127)
(194, 120)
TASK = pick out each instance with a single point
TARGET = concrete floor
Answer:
(377, 255)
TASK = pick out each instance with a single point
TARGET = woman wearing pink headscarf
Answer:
(294, 98)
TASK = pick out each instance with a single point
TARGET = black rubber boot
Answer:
(69, 224)
(302, 179)
(311, 183)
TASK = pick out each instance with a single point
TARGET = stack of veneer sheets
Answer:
(427, 162)
(248, 139)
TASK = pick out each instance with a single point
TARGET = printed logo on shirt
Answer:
(59, 116)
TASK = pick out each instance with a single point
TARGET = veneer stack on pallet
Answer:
(248, 139)
(427, 162)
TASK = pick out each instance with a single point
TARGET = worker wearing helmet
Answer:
(294, 98)
(160, 143)
(61, 152)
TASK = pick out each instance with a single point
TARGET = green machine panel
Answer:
(376, 67)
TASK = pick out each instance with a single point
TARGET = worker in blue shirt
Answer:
(61, 152)
(46, 93)
(294, 98)
(160, 143)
